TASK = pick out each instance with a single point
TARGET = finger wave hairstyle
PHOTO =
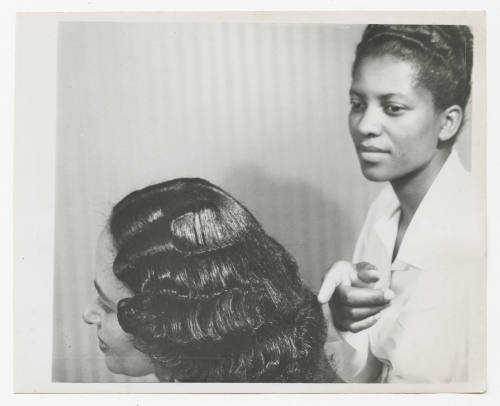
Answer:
(442, 55)
(216, 298)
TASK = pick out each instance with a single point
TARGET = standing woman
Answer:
(401, 314)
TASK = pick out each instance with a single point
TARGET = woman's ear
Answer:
(452, 119)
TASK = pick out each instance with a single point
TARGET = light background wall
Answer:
(258, 109)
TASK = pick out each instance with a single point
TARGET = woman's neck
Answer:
(412, 188)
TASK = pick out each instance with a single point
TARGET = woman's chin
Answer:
(374, 173)
(129, 367)
(115, 366)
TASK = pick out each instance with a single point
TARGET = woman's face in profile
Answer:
(393, 122)
(120, 354)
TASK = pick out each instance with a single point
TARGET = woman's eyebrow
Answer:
(353, 92)
(101, 293)
(391, 95)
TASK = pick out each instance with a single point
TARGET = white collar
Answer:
(431, 233)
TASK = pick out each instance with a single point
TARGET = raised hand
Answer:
(352, 294)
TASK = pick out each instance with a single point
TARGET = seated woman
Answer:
(190, 287)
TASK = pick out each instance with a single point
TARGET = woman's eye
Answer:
(394, 109)
(104, 306)
(356, 105)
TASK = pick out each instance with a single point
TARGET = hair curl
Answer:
(216, 298)
(441, 54)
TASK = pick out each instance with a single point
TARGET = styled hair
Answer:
(441, 54)
(216, 298)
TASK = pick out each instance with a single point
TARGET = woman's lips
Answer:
(102, 345)
(370, 153)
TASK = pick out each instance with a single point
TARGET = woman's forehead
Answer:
(106, 251)
(385, 74)
(388, 76)
(104, 275)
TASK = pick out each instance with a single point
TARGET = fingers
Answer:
(362, 297)
(360, 313)
(340, 273)
(354, 301)
(357, 326)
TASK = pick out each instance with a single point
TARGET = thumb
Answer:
(367, 275)
(341, 273)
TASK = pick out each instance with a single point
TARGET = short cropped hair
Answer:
(215, 297)
(441, 54)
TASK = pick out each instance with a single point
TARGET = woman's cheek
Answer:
(353, 125)
(121, 340)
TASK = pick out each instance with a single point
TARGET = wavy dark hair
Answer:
(216, 298)
(442, 55)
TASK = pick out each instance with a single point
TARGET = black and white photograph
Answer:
(291, 200)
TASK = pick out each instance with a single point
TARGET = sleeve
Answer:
(349, 353)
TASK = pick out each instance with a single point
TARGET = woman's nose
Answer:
(90, 315)
(369, 124)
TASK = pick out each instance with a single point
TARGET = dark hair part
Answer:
(442, 55)
(216, 298)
